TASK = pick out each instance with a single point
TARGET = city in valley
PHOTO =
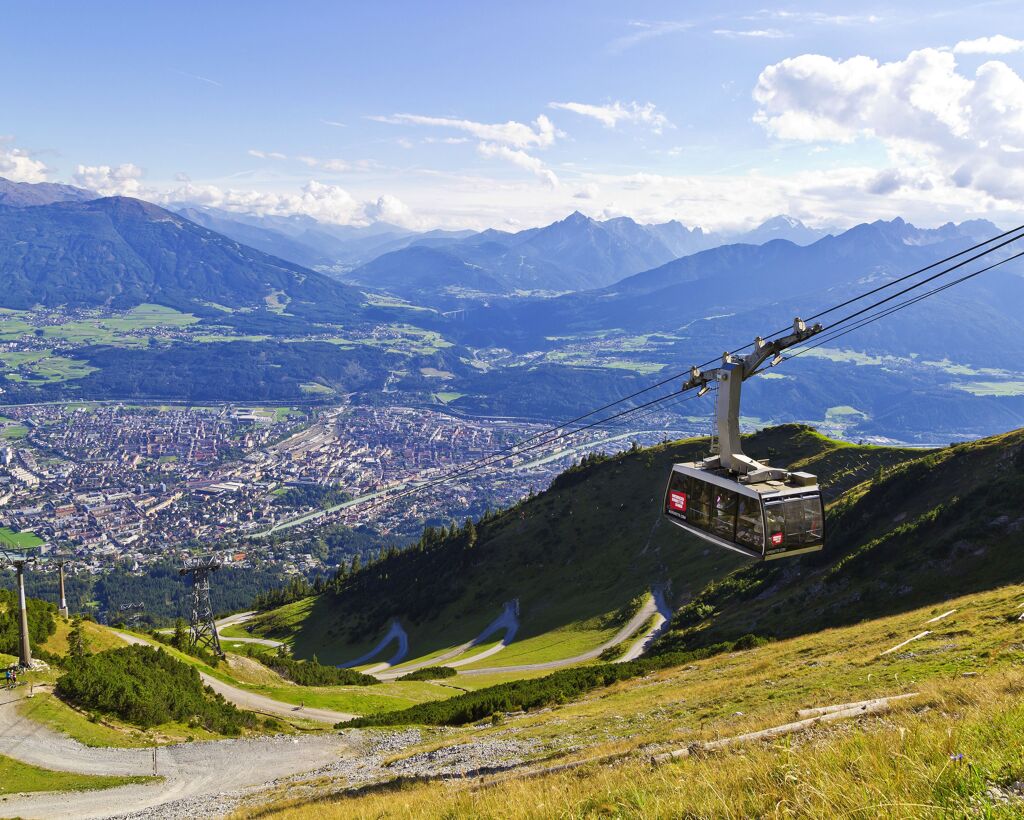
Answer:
(113, 484)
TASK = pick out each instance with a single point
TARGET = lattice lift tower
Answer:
(202, 630)
(19, 562)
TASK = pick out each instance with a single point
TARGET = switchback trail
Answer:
(507, 621)
(650, 607)
(395, 633)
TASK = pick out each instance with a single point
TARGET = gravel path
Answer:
(191, 771)
(244, 699)
(241, 618)
(394, 633)
(649, 608)
(508, 621)
(661, 620)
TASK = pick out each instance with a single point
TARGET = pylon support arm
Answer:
(730, 377)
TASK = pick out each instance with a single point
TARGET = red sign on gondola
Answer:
(776, 539)
(677, 501)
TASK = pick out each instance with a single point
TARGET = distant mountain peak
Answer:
(782, 220)
(576, 218)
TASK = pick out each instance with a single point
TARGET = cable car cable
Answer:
(518, 449)
(899, 306)
(931, 278)
(917, 272)
(512, 449)
(497, 458)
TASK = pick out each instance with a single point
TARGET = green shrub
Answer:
(515, 696)
(145, 686)
(313, 673)
(430, 673)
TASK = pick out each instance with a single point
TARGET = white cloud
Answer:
(332, 165)
(111, 180)
(252, 152)
(520, 158)
(819, 17)
(389, 209)
(611, 114)
(999, 44)
(18, 166)
(588, 191)
(758, 33)
(935, 122)
(643, 30)
(515, 134)
(326, 203)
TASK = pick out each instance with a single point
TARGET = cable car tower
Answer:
(202, 629)
(20, 561)
(61, 562)
(732, 500)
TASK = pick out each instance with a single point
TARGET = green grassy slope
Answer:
(573, 556)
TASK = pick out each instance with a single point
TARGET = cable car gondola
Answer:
(732, 500)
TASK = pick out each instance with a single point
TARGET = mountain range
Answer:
(441, 268)
(573, 254)
(121, 252)
(946, 367)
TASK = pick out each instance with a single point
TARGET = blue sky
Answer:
(485, 114)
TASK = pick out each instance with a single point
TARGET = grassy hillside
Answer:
(954, 750)
(574, 556)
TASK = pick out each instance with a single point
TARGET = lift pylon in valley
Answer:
(202, 630)
(62, 609)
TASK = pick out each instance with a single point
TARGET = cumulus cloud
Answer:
(323, 202)
(613, 113)
(111, 180)
(531, 163)
(935, 122)
(18, 166)
(999, 44)
(390, 209)
(541, 134)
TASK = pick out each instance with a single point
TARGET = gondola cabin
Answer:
(768, 519)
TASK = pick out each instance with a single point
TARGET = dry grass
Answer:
(968, 671)
(907, 764)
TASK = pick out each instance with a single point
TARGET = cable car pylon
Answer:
(202, 628)
(20, 562)
(732, 500)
